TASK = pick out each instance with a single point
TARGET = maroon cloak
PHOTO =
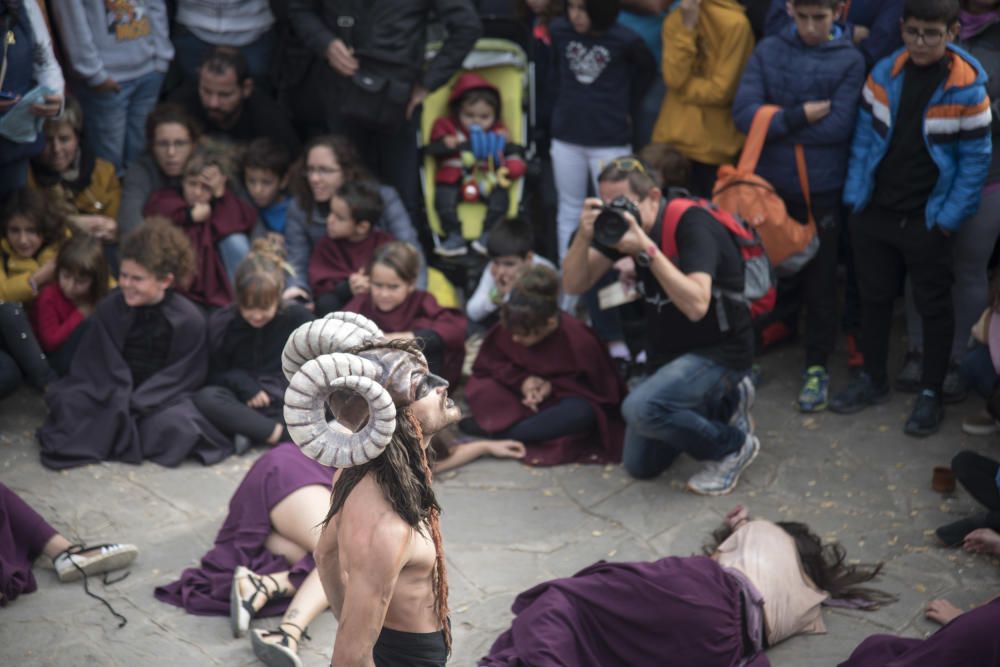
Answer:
(333, 261)
(442, 329)
(576, 363)
(230, 215)
(674, 611)
(23, 535)
(241, 540)
(971, 640)
(95, 414)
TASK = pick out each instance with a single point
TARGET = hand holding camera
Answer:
(617, 226)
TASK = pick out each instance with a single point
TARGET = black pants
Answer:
(887, 246)
(328, 303)
(978, 474)
(815, 285)
(703, 178)
(232, 416)
(409, 649)
(567, 417)
(448, 197)
(21, 357)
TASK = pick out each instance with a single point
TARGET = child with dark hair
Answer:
(30, 234)
(759, 584)
(474, 106)
(600, 74)
(402, 311)
(82, 280)
(920, 155)
(817, 113)
(509, 249)
(339, 263)
(668, 166)
(265, 175)
(83, 186)
(245, 388)
(208, 211)
(128, 393)
(543, 378)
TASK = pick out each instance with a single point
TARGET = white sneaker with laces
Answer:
(78, 560)
(718, 478)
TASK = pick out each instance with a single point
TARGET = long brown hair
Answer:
(399, 256)
(347, 157)
(83, 255)
(260, 277)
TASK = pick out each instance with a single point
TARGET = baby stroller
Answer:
(504, 64)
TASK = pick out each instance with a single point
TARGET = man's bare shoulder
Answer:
(368, 524)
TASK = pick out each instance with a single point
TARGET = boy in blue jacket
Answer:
(920, 154)
(819, 101)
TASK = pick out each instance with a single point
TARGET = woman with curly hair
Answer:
(128, 393)
(758, 584)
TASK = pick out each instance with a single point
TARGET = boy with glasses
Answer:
(920, 154)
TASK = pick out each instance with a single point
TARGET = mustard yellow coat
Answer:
(702, 69)
(15, 271)
(102, 196)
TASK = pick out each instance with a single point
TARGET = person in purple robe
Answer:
(25, 535)
(544, 378)
(127, 396)
(758, 584)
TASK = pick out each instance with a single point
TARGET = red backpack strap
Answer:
(676, 208)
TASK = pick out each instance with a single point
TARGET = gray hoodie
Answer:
(225, 22)
(117, 39)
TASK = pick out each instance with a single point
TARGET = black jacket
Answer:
(393, 33)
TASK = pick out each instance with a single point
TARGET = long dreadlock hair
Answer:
(403, 473)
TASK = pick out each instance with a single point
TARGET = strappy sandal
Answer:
(279, 653)
(242, 611)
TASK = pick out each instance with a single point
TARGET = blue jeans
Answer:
(976, 369)
(116, 122)
(233, 249)
(190, 51)
(684, 406)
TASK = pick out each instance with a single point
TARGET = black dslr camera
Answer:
(611, 225)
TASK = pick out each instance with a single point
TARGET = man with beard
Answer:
(380, 556)
(229, 107)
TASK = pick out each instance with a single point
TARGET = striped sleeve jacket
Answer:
(956, 132)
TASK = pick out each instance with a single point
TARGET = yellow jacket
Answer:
(103, 195)
(15, 271)
(702, 69)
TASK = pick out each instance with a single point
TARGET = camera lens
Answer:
(610, 227)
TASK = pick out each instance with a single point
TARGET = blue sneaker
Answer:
(815, 390)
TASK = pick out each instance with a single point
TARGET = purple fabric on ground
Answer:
(971, 640)
(23, 535)
(678, 611)
(205, 590)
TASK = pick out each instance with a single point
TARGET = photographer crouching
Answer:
(699, 339)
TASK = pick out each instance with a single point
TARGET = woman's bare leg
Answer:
(282, 546)
(308, 603)
(56, 545)
(276, 585)
(299, 515)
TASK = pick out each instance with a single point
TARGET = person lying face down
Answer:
(758, 584)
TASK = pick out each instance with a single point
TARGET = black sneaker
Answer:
(928, 411)
(955, 390)
(954, 533)
(861, 393)
(908, 380)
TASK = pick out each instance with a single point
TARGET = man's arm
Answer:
(308, 24)
(583, 265)
(464, 28)
(373, 556)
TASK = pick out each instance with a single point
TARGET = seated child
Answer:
(208, 211)
(85, 187)
(63, 306)
(128, 393)
(980, 364)
(464, 172)
(339, 261)
(265, 175)
(545, 379)
(402, 311)
(245, 389)
(509, 249)
(31, 233)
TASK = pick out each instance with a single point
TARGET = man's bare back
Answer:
(384, 566)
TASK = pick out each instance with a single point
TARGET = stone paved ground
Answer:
(507, 527)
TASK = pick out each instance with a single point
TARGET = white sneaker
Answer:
(78, 560)
(741, 418)
(718, 478)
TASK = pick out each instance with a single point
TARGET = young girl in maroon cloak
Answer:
(545, 379)
(208, 211)
(127, 396)
(402, 311)
(338, 266)
(246, 388)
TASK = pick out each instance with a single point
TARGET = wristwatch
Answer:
(645, 257)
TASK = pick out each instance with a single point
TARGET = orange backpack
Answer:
(740, 191)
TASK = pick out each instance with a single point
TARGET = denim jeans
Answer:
(976, 368)
(684, 406)
(190, 51)
(233, 249)
(116, 122)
